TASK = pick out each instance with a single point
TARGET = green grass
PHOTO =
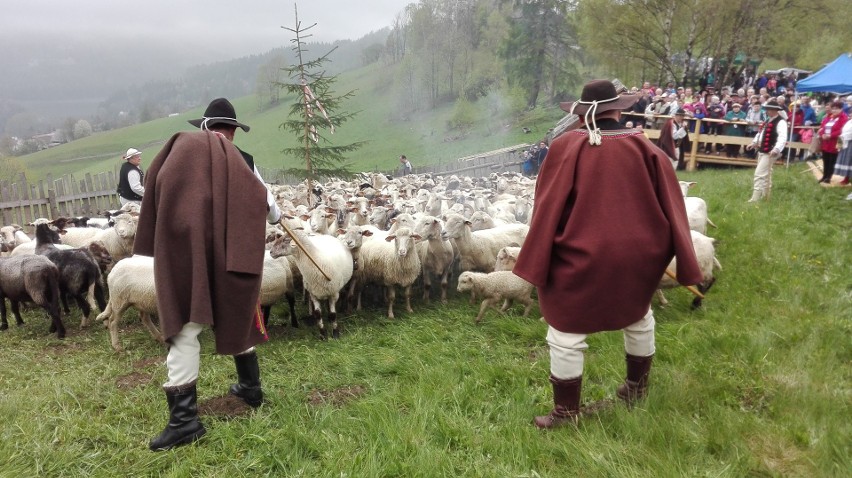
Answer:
(757, 383)
(423, 136)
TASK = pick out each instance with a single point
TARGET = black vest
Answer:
(249, 159)
(124, 185)
(770, 135)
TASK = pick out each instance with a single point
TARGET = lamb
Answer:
(78, 272)
(705, 253)
(131, 283)
(478, 250)
(494, 287)
(30, 279)
(334, 259)
(506, 259)
(436, 255)
(391, 262)
(696, 209)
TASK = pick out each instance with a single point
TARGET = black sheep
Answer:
(78, 271)
(30, 279)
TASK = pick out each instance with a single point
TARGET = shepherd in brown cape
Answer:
(609, 216)
(202, 220)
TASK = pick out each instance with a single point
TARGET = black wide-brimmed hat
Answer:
(600, 96)
(219, 111)
(772, 105)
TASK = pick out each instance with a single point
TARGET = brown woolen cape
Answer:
(203, 220)
(607, 221)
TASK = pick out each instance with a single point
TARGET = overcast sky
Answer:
(240, 27)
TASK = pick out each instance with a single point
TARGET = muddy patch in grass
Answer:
(62, 348)
(148, 362)
(226, 407)
(133, 380)
(337, 397)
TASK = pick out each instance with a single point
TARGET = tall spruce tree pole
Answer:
(315, 110)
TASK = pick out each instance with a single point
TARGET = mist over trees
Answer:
(512, 54)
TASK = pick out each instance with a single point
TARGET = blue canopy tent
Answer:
(836, 77)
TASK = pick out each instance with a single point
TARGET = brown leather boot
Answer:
(566, 400)
(634, 387)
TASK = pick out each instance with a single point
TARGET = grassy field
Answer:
(757, 383)
(423, 137)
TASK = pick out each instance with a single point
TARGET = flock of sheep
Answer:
(342, 239)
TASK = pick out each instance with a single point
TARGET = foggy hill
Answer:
(115, 85)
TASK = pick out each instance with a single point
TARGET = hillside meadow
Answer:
(424, 136)
(756, 383)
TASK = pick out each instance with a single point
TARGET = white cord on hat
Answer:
(594, 132)
(206, 119)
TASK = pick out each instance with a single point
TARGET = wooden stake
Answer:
(688, 287)
(302, 247)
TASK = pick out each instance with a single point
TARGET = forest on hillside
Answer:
(537, 52)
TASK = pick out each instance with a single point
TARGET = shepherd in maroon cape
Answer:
(203, 220)
(608, 218)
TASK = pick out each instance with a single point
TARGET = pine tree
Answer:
(315, 111)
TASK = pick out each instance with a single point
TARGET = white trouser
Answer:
(566, 349)
(185, 355)
(763, 176)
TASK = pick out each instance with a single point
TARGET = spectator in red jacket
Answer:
(829, 132)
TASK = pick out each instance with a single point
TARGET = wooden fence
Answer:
(693, 157)
(21, 202)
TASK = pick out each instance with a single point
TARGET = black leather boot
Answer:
(566, 401)
(636, 385)
(248, 374)
(183, 427)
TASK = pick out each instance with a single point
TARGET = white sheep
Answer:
(391, 262)
(436, 255)
(496, 286)
(705, 253)
(696, 209)
(277, 282)
(481, 220)
(118, 239)
(334, 259)
(131, 284)
(478, 250)
(13, 236)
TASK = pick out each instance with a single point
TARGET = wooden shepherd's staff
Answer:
(690, 288)
(302, 247)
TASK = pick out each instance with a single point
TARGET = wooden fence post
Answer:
(692, 165)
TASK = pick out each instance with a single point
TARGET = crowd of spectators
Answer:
(735, 110)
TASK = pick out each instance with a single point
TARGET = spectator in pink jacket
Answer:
(829, 132)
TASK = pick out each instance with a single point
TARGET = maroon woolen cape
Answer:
(607, 221)
(203, 220)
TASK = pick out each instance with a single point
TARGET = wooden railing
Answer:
(693, 157)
